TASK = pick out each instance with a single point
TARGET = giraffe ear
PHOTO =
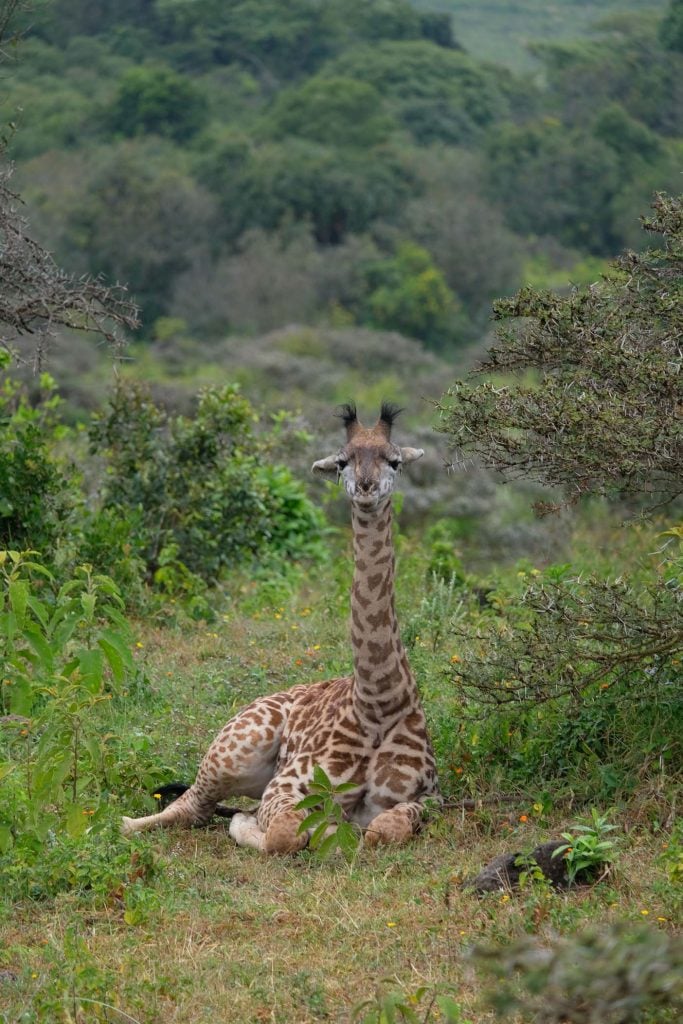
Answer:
(326, 467)
(411, 454)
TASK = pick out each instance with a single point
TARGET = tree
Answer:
(437, 93)
(671, 27)
(602, 414)
(338, 190)
(409, 294)
(552, 181)
(137, 218)
(597, 412)
(36, 295)
(158, 100)
(336, 110)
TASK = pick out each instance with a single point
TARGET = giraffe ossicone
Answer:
(367, 728)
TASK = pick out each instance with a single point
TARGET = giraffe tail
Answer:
(172, 790)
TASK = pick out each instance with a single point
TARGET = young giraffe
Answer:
(368, 728)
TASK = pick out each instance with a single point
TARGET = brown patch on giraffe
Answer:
(374, 581)
(382, 618)
(379, 652)
(364, 602)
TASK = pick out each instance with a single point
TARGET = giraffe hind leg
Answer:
(169, 792)
(240, 762)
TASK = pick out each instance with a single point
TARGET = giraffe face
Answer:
(368, 464)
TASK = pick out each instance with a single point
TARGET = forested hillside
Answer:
(243, 165)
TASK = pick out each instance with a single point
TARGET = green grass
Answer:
(182, 926)
(501, 31)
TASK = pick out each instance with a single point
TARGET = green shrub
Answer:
(618, 977)
(38, 494)
(64, 651)
(194, 496)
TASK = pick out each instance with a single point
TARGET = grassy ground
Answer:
(184, 927)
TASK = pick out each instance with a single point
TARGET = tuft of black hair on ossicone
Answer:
(347, 413)
(389, 412)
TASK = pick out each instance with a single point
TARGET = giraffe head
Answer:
(369, 462)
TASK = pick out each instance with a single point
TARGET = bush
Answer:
(38, 495)
(193, 494)
(618, 977)
(64, 651)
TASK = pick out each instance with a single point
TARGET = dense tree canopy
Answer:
(363, 121)
(601, 410)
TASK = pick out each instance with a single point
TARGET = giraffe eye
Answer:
(394, 463)
(342, 464)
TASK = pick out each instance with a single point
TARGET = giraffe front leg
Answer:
(275, 827)
(396, 825)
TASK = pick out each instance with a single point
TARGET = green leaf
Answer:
(317, 836)
(91, 666)
(326, 847)
(320, 778)
(18, 596)
(312, 821)
(114, 660)
(88, 602)
(76, 820)
(313, 800)
(39, 610)
(5, 768)
(41, 647)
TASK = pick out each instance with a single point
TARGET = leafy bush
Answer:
(325, 816)
(64, 651)
(195, 495)
(589, 851)
(617, 977)
(37, 493)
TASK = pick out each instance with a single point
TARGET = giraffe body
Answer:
(367, 728)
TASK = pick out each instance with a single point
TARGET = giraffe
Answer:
(367, 728)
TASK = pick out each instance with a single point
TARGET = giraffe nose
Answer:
(365, 486)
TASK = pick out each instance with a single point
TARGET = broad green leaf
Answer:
(41, 647)
(317, 835)
(120, 645)
(18, 596)
(114, 660)
(39, 610)
(5, 768)
(90, 663)
(313, 820)
(76, 820)
(21, 697)
(88, 602)
(345, 787)
(313, 800)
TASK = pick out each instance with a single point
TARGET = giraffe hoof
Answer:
(128, 827)
(283, 836)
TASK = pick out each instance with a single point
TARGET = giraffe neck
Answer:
(383, 683)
